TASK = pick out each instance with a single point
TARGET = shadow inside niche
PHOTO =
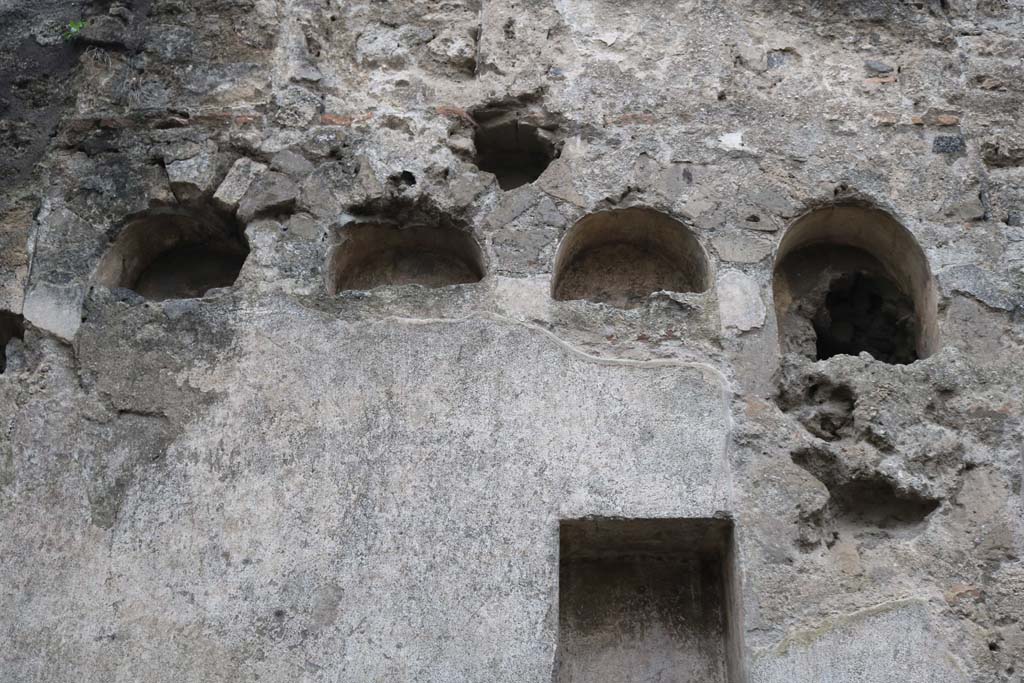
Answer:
(621, 256)
(189, 272)
(175, 253)
(12, 326)
(403, 245)
(864, 312)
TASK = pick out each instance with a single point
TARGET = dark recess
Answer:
(12, 326)
(175, 253)
(646, 599)
(403, 244)
(865, 312)
(516, 150)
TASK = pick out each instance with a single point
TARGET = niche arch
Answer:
(381, 252)
(174, 253)
(850, 278)
(621, 256)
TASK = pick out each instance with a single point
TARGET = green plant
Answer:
(73, 29)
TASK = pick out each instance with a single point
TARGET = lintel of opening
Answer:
(174, 253)
(621, 256)
(850, 278)
(378, 253)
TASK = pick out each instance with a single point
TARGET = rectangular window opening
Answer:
(647, 600)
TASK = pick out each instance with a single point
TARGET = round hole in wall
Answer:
(512, 147)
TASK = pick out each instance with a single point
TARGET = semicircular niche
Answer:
(851, 279)
(621, 256)
(174, 254)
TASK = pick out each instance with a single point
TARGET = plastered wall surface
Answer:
(289, 480)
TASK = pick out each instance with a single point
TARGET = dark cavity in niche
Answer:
(12, 326)
(850, 279)
(189, 272)
(865, 312)
(175, 253)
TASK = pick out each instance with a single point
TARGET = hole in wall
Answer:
(174, 254)
(866, 312)
(401, 181)
(513, 146)
(863, 499)
(645, 600)
(403, 247)
(825, 410)
(851, 279)
(876, 502)
(12, 326)
(621, 256)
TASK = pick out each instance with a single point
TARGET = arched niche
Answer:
(621, 256)
(380, 253)
(174, 254)
(851, 278)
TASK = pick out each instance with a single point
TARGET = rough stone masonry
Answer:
(512, 340)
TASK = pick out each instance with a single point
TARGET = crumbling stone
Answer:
(237, 182)
(948, 144)
(269, 193)
(357, 460)
(193, 177)
(862, 501)
(291, 164)
(1003, 151)
(975, 282)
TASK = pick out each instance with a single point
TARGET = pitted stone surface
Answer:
(376, 532)
(895, 639)
(274, 482)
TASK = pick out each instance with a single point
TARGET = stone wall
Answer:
(325, 321)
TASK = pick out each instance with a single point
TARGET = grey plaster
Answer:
(275, 483)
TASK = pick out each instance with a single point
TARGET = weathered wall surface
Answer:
(274, 483)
